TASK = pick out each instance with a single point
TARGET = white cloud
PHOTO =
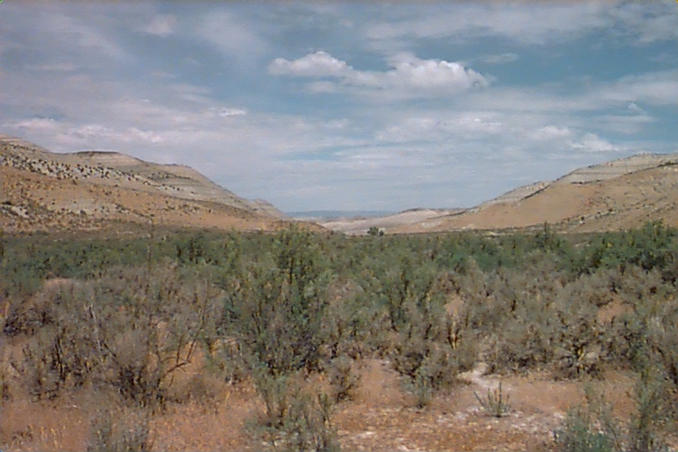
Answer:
(551, 132)
(318, 64)
(591, 142)
(148, 136)
(632, 106)
(97, 133)
(338, 123)
(442, 127)
(627, 93)
(226, 112)
(521, 22)
(625, 124)
(409, 76)
(86, 36)
(41, 124)
(412, 72)
(161, 25)
(656, 88)
(646, 22)
(531, 23)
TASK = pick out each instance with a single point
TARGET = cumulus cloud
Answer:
(412, 72)
(409, 76)
(591, 142)
(318, 64)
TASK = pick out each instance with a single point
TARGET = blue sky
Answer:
(347, 106)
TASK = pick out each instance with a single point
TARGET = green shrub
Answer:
(294, 419)
(594, 428)
(495, 403)
(580, 435)
(277, 309)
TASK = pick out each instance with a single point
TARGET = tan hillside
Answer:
(517, 194)
(41, 190)
(615, 195)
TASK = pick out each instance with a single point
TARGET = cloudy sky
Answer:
(347, 106)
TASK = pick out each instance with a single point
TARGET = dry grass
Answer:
(43, 426)
(382, 416)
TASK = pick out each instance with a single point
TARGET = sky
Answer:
(346, 106)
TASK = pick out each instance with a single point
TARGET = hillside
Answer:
(615, 195)
(42, 190)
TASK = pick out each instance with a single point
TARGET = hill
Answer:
(42, 190)
(615, 195)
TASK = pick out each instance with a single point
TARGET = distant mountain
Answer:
(42, 190)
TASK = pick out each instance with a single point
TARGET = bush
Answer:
(133, 312)
(343, 378)
(594, 429)
(496, 403)
(374, 231)
(294, 419)
(129, 330)
(580, 435)
(276, 310)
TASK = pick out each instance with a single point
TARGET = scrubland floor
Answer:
(380, 416)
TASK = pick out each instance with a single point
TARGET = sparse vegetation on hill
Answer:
(44, 191)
